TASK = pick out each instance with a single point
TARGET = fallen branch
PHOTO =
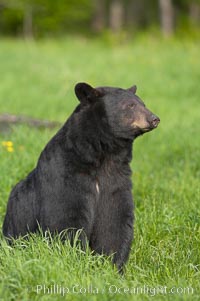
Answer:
(8, 119)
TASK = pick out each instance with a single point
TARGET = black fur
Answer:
(82, 178)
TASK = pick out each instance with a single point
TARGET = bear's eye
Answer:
(131, 105)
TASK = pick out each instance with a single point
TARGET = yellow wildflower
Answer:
(10, 149)
(7, 143)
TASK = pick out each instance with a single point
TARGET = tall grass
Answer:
(37, 79)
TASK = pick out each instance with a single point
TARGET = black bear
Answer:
(82, 178)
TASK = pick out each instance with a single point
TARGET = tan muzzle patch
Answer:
(140, 123)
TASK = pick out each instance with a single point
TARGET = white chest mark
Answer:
(97, 187)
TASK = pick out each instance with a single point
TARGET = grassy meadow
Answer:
(37, 80)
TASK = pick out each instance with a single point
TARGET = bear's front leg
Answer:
(69, 210)
(124, 233)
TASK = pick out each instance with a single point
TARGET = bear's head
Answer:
(125, 112)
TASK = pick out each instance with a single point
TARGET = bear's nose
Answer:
(155, 120)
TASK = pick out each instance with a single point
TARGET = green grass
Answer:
(37, 79)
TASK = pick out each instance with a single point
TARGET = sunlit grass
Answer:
(37, 79)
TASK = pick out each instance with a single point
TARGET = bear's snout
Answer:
(154, 120)
(146, 121)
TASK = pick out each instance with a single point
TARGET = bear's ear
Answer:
(133, 89)
(85, 93)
